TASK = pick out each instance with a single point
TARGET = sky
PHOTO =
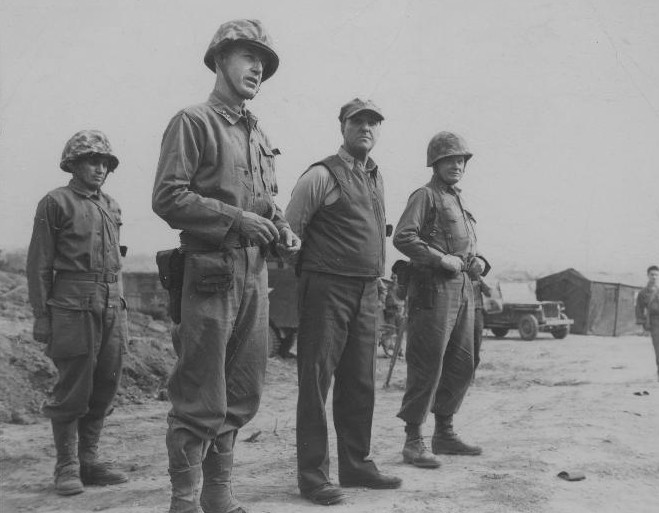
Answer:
(558, 100)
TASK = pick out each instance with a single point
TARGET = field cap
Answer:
(358, 105)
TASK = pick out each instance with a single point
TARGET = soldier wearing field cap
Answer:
(75, 289)
(337, 209)
(216, 183)
(437, 233)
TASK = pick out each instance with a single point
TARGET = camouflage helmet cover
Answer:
(87, 142)
(250, 32)
(447, 144)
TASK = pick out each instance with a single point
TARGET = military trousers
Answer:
(654, 333)
(337, 337)
(89, 334)
(440, 346)
(221, 342)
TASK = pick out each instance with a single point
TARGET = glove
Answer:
(41, 329)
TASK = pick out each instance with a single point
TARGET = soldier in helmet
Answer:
(216, 183)
(437, 233)
(75, 289)
(337, 208)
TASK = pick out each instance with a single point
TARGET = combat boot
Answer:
(67, 468)
(185, 453)
(415, 451)
(216, 493)
(92, 471)
(445, 441)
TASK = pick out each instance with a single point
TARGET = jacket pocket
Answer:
(212, 272)
(267, 157)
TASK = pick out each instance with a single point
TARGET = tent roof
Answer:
(631, 279)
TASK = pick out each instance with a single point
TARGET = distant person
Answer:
(76, 293)
(216, 183)
(647, 309)
(480, 289)
(437, 233)
(337, 209)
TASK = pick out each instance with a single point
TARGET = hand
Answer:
(475, 268)
(258, 229)
(289, 243)
(41, 329)
(451, 263)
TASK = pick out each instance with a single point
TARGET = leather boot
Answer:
(93, 471)
(185, 452)
(415, 451)
(445, 441)
(67, 468)
(216, 493)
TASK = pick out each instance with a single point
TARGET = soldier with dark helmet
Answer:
(437, 233)
(75, 289)
(216, 183)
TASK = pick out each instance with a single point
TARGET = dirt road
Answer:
(537, 408)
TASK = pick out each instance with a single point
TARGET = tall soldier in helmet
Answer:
(216, 183)
(75, 289)
(436, 231)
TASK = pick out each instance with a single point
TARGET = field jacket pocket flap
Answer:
(212, 272)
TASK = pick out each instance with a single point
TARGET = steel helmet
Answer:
(250, 32)
(87, 142)
(447, 144)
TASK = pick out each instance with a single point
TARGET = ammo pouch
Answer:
(211, 272)
(171, 264)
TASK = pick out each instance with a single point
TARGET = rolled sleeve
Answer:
(173, 198)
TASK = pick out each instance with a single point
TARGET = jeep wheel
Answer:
(561, 333)
(528, 327)
(500, 332)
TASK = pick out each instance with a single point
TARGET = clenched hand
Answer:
(258, 229)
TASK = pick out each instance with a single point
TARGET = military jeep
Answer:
(528, 317)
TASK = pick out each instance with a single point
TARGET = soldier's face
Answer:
(91, 172)
(653, 277)
(361, 132)
(450, 169)
(243, 67)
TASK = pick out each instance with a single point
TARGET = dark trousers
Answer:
(88, 339)
(654, 333)
(337, 337)
(440, 347)
(216, 384)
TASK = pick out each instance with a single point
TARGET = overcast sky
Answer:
(559, 101)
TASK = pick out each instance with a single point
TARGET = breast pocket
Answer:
(267, 158)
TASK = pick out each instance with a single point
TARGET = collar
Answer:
(442, 185)
(231, 115)
(370, 166)
(73, 185)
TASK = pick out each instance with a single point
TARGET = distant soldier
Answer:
(216, 183)
(75, 289)
(437, 233)
(647, 309)
(337, 209)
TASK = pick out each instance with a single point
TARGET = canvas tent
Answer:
(599, 304)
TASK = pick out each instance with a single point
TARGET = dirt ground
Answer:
(537, 408)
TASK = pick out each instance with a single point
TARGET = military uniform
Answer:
(216, 164)
(647, 314)
(434, 226)
(75, 289)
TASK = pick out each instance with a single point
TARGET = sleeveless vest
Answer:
(348, 237)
